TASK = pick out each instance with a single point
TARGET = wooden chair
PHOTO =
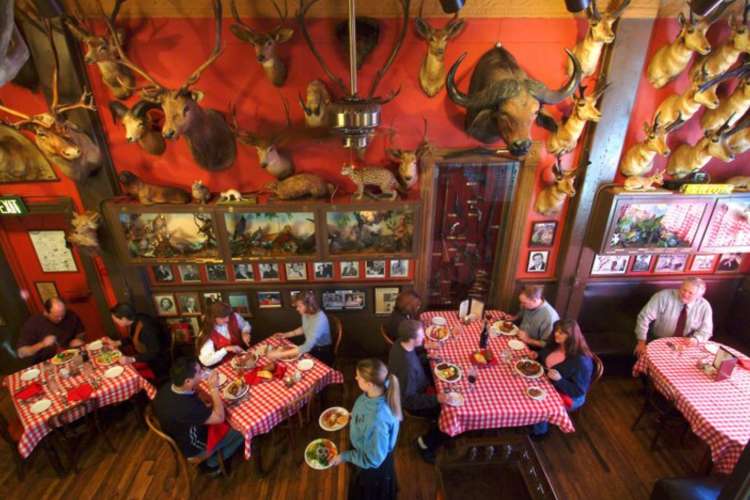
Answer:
(667, 415)
(11, 431)
(386, 338)
(181, 462)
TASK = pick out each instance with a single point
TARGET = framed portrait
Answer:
(537, 262)
(349, 269)
(163, 273)
(610, 264)
(296, 271)
(703, 263)
(212, 298)
(729, 262)
(184, 330)
(333, 300)
(375, 269)
(189, 273)
(292, 234)
(53, 252)
(168, 235)
(728, 229)
(243, 271)
(385, 299)
(240, 303)
(189, 304)
(166, 304)
(46, 290)
(323, 270)
(641, 263)
(269, 271)
(216, 272)
(269, 300)
(354, 299)
(543, 234)
(673, 263)
(373, 231)
(399, 268)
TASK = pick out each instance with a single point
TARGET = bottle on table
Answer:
(484, 337)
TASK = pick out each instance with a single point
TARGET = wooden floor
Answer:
(603, 459)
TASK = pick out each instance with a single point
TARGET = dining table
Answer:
(498, 397)
(718, 411)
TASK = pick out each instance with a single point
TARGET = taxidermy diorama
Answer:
(370, 231)
(270, 234)
(565, 139)
(599, 33)
(432, 71)
(169, 235)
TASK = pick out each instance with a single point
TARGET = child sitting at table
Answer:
(224, 332)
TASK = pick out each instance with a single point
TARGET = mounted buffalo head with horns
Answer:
(503, 101)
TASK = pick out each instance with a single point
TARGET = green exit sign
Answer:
(12, 205)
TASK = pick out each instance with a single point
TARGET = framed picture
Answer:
(184, 330)
(212, 298)
(728, 229)
(354, 299)
(333, 300)
(46, 290)
(296, 271)
(703, 263)
(372, 231)
(399, 268)
(189, 304)
(729, 262)
(269, 300)
(543, 234)
(53, 252)
(269, 271)
(168, 235)
(385, 299)
(641, 263)
(349, 269)
(216, 272)
(323, 270)
(189, 273)
(244, 272)
(671, 263)
(163, 273)
(610, 264)
(537, 261)
(165, 304)
(291, 234)
(239, 302)
(375, 269)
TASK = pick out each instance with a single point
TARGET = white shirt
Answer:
(664, 310)
(209, 356)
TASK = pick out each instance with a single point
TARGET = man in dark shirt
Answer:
(185, 418)
(43, 334)
(146, 341)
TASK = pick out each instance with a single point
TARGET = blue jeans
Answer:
(227, 446)
(543, 427)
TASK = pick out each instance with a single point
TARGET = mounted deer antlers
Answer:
(432, 72)
(566, 137)
(638, 158)
(408, 160)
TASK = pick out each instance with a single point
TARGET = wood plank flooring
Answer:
(604, 459)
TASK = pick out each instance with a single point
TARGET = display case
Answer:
(728, 229)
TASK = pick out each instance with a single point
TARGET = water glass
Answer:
(472, 377)
(506, 356)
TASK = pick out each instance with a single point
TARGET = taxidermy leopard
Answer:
(372, 176)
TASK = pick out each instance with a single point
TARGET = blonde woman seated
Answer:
(224, 333)
(314, 327)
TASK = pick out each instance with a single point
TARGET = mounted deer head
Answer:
(408, 160)
(565, 139)
(599, 33)
(139, 126)
(638, 158)
(432, 72)
(551, 199)
(269, 156)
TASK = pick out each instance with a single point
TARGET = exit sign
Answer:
(12, 205)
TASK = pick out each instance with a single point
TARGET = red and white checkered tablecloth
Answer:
(499, 397)
(716, 411)
(263, 409)
(109, 391)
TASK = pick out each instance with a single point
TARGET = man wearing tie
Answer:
(676, 313)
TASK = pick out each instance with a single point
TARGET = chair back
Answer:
(384, 334)
(5, 431)
(337, 331)
(296, 406)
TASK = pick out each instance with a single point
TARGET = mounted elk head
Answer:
(210, 139)
(265, 44)
(551, 199)
(599, 33)
(315, 105)
(638, 158)
(584, 110)
(722, 58)
(139, 126)
(432, 72)
(691, 158)
(408, 160)
(503, 101)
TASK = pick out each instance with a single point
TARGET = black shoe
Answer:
(427, 454)
(209, 471)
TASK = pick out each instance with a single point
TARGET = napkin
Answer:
(744, 363)
(279, 371)
(80, 393)
(29, 391)
(252, 378)
(216, 433)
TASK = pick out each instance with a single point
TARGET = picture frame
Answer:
(398, 268)
(371, 230)
(216, 272)
(212, 298)
(189, 273)
(269, 300)
(385, 299)
(728, 229)
(323, 270)
(46, 290)
(349, 269)
(354, 299)
(609, 264)
(296, 271)
(729, 262)
(52, 251)
(332, 300)
(240, 303)
(166, 304)
(243, 271)
(269, 271)
(543, 234)
(703, 263)
(189, 304)
(375, 269)
(293, 234)
(163, 273)
(641, 263)
(671, 263)
(537, 261)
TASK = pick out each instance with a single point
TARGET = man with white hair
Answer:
(676, 313)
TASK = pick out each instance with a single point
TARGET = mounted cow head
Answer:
(503, 101)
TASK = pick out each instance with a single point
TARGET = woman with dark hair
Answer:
(314, 327)
(408, 304)
(373, 432)
(224, 332)
(145, 342)
(569, 365)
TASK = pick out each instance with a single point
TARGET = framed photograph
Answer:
(729, 262)
(216, 272)
(323, 270)
(372, 231)
(52, 251)
(543, 234)
(189, 273)
(269, 300)
(537, 261)
(291, 234)
(375, 269)
(239, 302)
(184, 330)
(244, 272)
(189, 304)
(703, 263)
(399, 268)
(349, 269)
(46, 290)
(354, 299)
(641, 263)
(269, 271)
(728, 229)
(296, 271)
(673, 263)
(166, 304)
(212, 298)
(385, 299)
(163, 273)
(610, 264)
(168, 235)
(333, 300)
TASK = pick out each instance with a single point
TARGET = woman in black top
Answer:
(146, 340)
(408, 304)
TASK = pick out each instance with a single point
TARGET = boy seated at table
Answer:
(224, 332)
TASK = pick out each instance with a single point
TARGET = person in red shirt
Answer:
(224, 332)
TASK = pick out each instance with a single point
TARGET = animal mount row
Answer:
(725, 55)
(679, 108)
(690, 158)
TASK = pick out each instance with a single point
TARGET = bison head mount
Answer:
(503, 101)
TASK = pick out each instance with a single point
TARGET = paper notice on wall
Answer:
(52, 251)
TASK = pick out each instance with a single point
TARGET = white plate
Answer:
(431, 328)
(305, 364)
(537, 375)
(454, 399)
(496, 325)
(95, 345)
(314, 463)
(222, 379)
(538, 397)
(711, 347)
(449, 381)
(335, 427)
(439, 321)
(516, 345)
(30, 374)
(114, 371)
(40, 406)
(225, 394)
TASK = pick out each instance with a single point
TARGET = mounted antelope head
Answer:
(735, 105)
(408, 160)
(551, 199)
(316, 103)
(722, 58)
(691, 158)
(564, 140)
(599, 33)
(266, 43)
(101, 51)
(139, 126)
(738, 139)
(269, 156)
(432, 72)
(638, 158)
(209, 137)
(701, 92)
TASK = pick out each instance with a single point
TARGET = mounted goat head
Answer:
(638, 158)
(722, 58)
(503, 101)
(100, 50)
(408, 161)
(316, 103)
(269, 156)
(734, 105)
(210, 139)
(691, 158)
(266, 43)
(432, 72)
(701, 92)
(589, 50)
(551, 199)
(139, 126)
(584, 110)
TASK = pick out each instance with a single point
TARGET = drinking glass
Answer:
(472, 377)
(506, 356)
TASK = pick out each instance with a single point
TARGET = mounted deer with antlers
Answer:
(269, 156)
(266, 43)
(408, 160)
(640, 156)
(139, 126)
(735, 105)
(210, 139)
(432, 72)
(551, 199)
(689, 158)
(566, 137)
(600, 33)
(723, 57)
(701, 92)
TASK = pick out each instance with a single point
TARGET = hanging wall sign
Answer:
(12, 205)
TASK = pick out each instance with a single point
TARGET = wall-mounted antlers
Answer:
(432, 72)
(566, 137)
(599, 33)
(691, 158)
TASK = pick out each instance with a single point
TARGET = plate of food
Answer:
(114, 371)
(235, 390)
(64, 357)
(30, 374)
(529, 368)
(305, 364)
(319, 453)
(448, 372)
(482, 357)
(437, 333)
(536, 393)
(333, 419)
(516, 345)
(108, 358)
(244, 361)
(505, 327)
